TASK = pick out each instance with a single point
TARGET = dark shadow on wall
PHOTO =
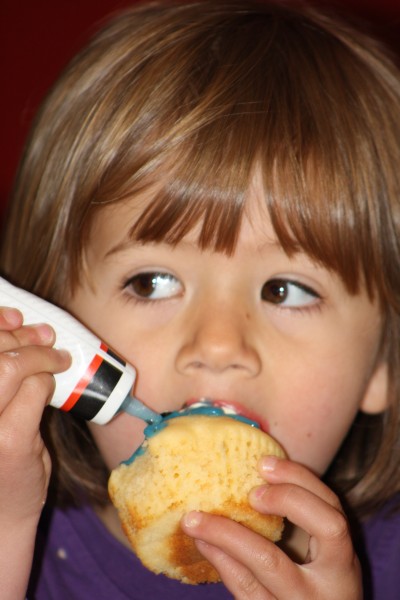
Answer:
(38, 38)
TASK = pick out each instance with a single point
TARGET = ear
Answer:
(375, 398)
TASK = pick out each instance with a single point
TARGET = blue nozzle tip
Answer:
(136, 408)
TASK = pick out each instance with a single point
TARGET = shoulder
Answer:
(381, 553)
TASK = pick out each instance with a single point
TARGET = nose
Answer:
(219, 339)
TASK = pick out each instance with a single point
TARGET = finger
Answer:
(21, 418)
(16, 366)
(28, 335)
(326, 525)
(20, 439)
(264, 566)
(278, 470)
(25, 464)
(237, 578)
(10, 318)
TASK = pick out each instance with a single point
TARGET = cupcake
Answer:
(199, 458)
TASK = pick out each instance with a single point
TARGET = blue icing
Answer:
(139, 452)
(207, 409)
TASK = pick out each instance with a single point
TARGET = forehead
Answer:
(111, 229)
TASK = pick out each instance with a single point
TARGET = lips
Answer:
(238, 409)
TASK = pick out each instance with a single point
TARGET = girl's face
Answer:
(279, 336)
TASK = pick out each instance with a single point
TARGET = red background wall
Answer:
(37, 37)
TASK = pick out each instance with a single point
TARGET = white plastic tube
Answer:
(99, 383)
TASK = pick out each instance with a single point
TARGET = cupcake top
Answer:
(202, 407)
(199, 407)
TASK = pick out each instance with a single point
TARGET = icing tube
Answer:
(99, 382)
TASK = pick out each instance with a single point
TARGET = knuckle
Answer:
(7, 339)
(8, 444)
(270, 561)
(247, 585)
(338, 531)
(40, 384)
(11, 449)
(334, 501)
(38, 447)
(9, 365)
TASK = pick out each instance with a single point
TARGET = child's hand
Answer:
(27, 364)
(254, 568)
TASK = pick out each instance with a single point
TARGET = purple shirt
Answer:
(83, 561)
(382, 551)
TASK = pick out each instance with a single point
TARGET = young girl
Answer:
(213, 188)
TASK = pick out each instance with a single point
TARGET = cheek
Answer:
(312, 423)
(119, 439)
(153, 356)
(315, 442)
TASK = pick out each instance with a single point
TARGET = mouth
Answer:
(234, 408)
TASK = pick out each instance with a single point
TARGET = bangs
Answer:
(196, 100)
(298, 105)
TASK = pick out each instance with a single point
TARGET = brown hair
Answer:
(198, 95)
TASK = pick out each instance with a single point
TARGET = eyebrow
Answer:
(128, 243)
(120, 247)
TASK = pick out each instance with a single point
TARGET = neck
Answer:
(109, 517)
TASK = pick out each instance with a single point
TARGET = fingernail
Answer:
(192, 519)
(256, 496)
(65, 355)
(257, 493)
(44, 331)
(13, 317)
(268, 464)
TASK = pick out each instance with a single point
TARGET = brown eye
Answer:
(275, 291)
(290, 294)
(154, 286)
(144, 284)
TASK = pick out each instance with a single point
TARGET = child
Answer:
(213, 188)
